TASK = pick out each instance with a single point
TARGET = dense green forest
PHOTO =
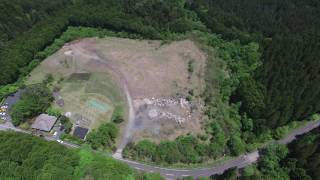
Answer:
(271, 57)
(28, 157)
(286, 87)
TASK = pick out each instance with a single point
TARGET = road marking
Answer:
(184, 175)
(170, 174)
(137, 168)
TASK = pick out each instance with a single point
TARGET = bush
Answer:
(167, 151)
(152, 176)
(236, 145)
(53, 111)
(103, 137)
(280, 132)
(117, 115)
(145, 149)
(65, 121)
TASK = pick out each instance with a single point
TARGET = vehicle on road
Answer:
(60, 141)
(55, 133)
(2, 113)
(4, 118)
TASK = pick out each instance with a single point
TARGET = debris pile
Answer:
(161, 102)
(160, 108)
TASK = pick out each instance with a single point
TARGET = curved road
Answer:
(240, 161)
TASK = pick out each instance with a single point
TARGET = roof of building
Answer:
(80, 132)
(44, 122)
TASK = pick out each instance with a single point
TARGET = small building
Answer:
(44, 122)
(80, 132)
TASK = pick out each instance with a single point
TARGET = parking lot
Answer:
(6, 106)
(4, 112)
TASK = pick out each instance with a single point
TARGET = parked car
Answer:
(2, 113)
(60, 141)
(4, 107)
(4, 118)
(55, 133)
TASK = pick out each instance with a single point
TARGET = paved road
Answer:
(240, 162)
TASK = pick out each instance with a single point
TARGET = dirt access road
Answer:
(144, 74)
(123, 83)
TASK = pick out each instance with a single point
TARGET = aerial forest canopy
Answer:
(285, 88)
(27, 157)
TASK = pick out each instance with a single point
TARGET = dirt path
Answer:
(123, 84)
(128, 132)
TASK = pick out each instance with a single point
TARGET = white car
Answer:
(4, 107)
(2, 113)
(4, 118)
(60, 141)
(55, 133)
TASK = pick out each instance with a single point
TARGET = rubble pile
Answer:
(163, 103)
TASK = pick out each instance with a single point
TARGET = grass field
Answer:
(89, 98)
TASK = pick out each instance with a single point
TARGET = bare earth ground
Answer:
(155, 74)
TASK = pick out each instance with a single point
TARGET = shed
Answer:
(80, 132)
(44, 122)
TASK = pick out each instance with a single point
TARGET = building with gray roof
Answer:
(44, 122)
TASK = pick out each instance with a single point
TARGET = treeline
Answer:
(18, 17)
(28, 157)
(184, 149)
(151, 19)
(19, 52)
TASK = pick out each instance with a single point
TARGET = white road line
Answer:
(184, 175)
(170, 174)
(137, 168)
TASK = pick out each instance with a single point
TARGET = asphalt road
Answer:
(240, 162)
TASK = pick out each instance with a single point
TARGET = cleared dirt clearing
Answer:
(151, 71)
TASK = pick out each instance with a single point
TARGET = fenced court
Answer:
(89, 99)
(98, 105)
